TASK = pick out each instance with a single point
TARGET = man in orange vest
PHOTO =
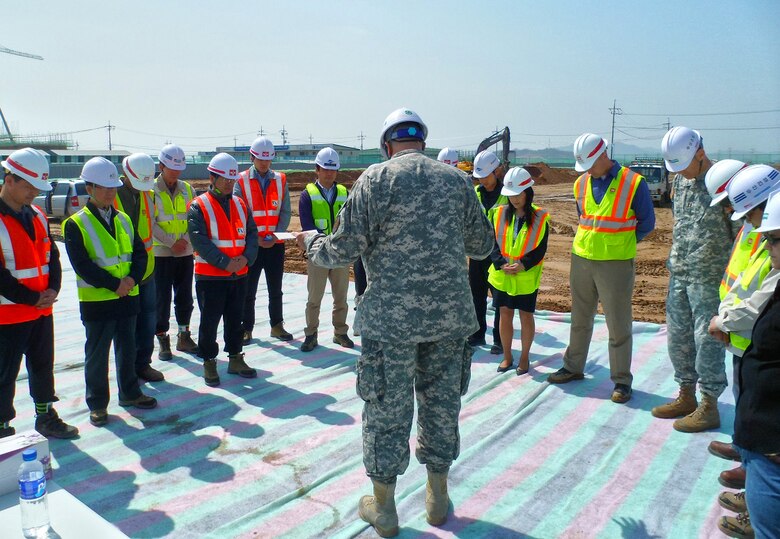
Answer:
(266, 196)
(30, 276)
(224, 238)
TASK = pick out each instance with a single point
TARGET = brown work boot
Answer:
(437, 501)
(684, 404)
(309, 343)
(210, 374)
(734, 478)
(278, 332)
(738, 526)
(51, 426)
(733, 501)
(704, 417)
(185, 343)
(165, 347)
(564, 375)
(150, 374)
(379, 509)
(237, 365)
(724, 451)
(343, 340)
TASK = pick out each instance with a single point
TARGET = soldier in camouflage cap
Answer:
(414, 221)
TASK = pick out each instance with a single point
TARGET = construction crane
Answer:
(25, 55)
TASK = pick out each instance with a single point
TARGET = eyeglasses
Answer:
(771, 240)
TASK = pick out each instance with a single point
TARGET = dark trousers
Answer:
(220, 299)
(272, 261)
(360, 277)
(171, 272)
(100, 335)
(34, 340)
(478, 281)
(145, 325)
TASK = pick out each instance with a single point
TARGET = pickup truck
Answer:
(65, 198)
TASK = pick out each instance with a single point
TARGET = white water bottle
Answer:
(32, 496)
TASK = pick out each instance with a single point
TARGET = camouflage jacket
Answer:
(414, 221)
(702, 235)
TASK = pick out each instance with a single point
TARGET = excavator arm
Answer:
(499, 136)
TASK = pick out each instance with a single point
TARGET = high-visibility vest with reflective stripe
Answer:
(750, 280)
(28, 261)
(513, 249)
(322, 212)
(111, 253)
(171, 213)
(229, 236)
(144, 226)
(500, 201)
(744, 247)
(265, 209)
(607, 231)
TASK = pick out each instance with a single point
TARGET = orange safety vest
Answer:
(28, 261)
(228, 235)
(265, 210)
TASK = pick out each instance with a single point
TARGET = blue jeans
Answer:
(762, 493)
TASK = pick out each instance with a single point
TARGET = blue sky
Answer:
(201, 73)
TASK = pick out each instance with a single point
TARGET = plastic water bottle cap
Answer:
(29, 454)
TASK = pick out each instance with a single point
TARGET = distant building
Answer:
(59, 157)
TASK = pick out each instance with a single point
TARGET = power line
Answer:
(708, 113)
(707, 128)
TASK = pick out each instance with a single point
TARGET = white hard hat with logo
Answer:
(225, 165)
(587, 148)
(719, 176)
(30, 165)
(750, 187)
(100, 171)
(516, 181)
(262, 148)
(679, 146)
(448, 156)
(395, 128)
(484, 164)
(139, 169)
(771, 219)
(328, 158)
(172, 157)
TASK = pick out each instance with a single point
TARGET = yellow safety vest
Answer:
(321, 211)
(751, 279)
(144, 226)
(513, 249)
(171, 214)
(607, 231)
(500, 201)
(744, 247)
(112, 253)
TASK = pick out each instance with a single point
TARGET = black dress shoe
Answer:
(520, 371)
(496, 350)
(505, 369)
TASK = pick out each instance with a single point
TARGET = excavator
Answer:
(499, 136)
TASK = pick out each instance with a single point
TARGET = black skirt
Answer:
(523, 302)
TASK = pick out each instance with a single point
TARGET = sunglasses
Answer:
(771, 240)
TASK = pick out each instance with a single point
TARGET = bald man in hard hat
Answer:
(30, 277)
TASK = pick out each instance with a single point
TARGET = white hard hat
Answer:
(102, 172)
(750, 187)
(448, 156)
(225, 165)
(485, 163)
(30, 165)
(587, 149)
(328, 158)
(719, 176)
(262, 148)
(679, 146)
(139, 169)
(771, 219)
(516, 181)
(172, 157)
(399, 117)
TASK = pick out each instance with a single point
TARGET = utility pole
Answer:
(361, 137)
(311, 139)
(110, 128)
(668, 124)
(261, 132)
(235, 143)
(284, 134)
(615, 111)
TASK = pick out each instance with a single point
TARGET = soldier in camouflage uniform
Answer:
(414, 221)
(701, 242)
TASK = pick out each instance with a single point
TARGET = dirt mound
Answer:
(544, 175)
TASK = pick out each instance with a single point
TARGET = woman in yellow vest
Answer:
(518, 257)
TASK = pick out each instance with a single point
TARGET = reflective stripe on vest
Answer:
(229, 236)
(171, 213)
(607, 231)
(265, 210)
(322, 212)
(750, 281)
(144, 226)
(500, 201)
(111, 253)
(744, 248)
(513, 249)
(27, 260)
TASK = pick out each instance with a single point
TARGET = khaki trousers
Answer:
(339, 285)
(612, 283)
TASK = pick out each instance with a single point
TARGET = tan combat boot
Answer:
(437, 501)
(184, 343)
(210, 374)
(237, 365)
(684, 404)
(379, 509)
(705, 417)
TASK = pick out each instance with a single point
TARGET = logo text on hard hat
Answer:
(45, 176)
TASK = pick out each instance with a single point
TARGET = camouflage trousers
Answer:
(696, 356)
(389, 377)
